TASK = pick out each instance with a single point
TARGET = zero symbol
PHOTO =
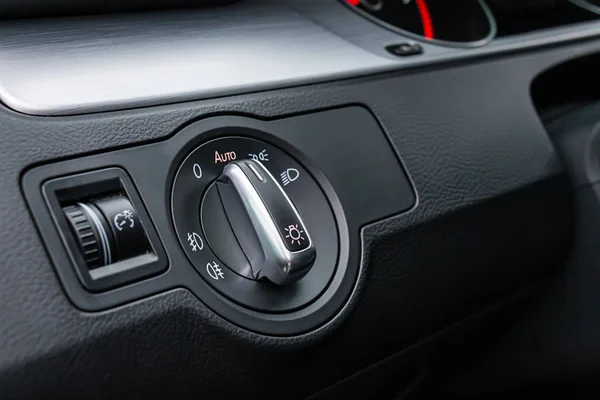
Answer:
(197, 171)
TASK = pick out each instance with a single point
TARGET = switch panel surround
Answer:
(108, 200)
(344, 150)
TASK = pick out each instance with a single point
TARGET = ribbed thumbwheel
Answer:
(87, 236)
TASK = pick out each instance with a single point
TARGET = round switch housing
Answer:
(212, 242)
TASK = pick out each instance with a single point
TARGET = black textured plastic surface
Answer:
(577, 137)
(565, 319)
(493, 213)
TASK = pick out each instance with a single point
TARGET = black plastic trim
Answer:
(82, 187)
(331, 162)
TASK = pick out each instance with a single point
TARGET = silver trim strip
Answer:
(258, 175)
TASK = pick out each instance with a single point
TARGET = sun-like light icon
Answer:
(294, 234)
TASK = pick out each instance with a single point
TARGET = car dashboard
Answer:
(309, 199)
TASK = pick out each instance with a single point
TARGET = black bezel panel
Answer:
(352, 184)
(91, 184)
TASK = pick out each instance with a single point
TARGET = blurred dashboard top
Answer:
(93, 63)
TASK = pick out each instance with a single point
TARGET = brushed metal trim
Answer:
(81, 65)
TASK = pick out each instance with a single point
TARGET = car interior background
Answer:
(324, 199)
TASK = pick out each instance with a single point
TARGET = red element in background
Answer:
(423, 11)
(425, 19)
